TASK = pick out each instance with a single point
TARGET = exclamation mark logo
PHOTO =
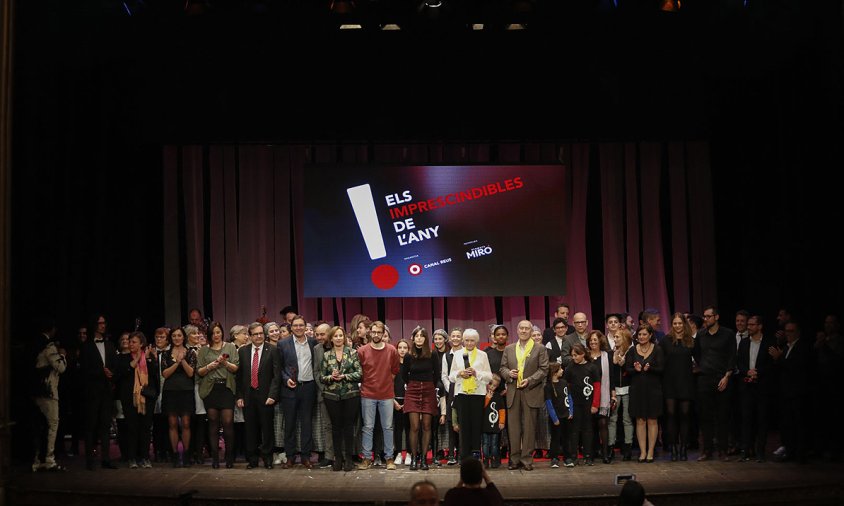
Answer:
(384, 276)
(364, 207)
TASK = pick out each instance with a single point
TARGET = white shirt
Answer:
(559, 345)
(101, 348)
(252, 353)
(483, 375)
(444, 368)
(740, 336)
(790, 347)
(754, 352)
(303, 357)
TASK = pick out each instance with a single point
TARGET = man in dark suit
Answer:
(257, 390)
(562, 312)
(98, 360)
(298, 390)
(581, 329)
(524, 367)
(795, 363)
(755, 386)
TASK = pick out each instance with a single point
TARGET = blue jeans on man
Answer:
(384, 408)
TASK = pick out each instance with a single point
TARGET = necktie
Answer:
(255, 369)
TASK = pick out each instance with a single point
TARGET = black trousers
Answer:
(259, 423)
(137, 425)
(160, 435)
(299, 408)
(714, 411)
(470, 414)
(558, 438)
(794, 417)
(343, 414)
(98, 412)
(580, 430)
(754, 417)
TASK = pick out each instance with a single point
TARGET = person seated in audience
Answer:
(469, 490)
(633, 494)
(424, 493)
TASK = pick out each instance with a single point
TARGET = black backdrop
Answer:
(97, 93)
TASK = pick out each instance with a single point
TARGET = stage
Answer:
(687, 483)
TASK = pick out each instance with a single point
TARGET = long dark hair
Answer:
(425, 350)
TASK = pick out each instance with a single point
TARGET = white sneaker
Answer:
(283, 457)
(779, 451)
(407, 459)
(378, 462)
(277, 459)
(146, 464)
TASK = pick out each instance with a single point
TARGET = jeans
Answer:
(490, 443)
(385, 411)
(622, 405)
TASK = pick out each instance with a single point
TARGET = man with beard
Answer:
(379, 362)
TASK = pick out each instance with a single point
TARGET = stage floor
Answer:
(686, 483)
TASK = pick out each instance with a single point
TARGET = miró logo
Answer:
(479, 251)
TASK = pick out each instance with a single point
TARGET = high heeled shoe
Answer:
(414, 462)
(422, 461)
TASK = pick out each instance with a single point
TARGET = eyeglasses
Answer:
(559, 327)
(376, 332)
(257, 334)
(708, 316)
(584, 322)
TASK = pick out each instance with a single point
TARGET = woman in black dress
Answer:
(644, 363)
(678, 384)
(178, 401)
(420, 401)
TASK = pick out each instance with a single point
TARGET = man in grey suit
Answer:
(524, 368)
(581, 329)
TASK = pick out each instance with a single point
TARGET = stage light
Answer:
(669, 5)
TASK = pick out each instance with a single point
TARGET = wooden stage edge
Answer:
(667, 483)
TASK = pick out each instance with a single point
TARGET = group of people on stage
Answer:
(273, 391)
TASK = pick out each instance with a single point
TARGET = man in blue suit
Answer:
(298, 390)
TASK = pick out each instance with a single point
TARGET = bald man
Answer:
(581, 329)
(524, 367)
(327, 459)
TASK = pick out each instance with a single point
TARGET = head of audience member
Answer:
(524, 330)
(471, 472)
(562, 311)
(272, 332)
(297, 327)
(632, 494)
(581, 323)
(123, 343)
(597, 341)
(288, 313)
(215, 334)
(176, 337)
(239, 335)
(470, 339)
(710, 318)
(440, 340)
(536, 334)
(613, 324)
(644, 335)
(455, 338)
(335, 337)
(424, 493)
(403, 348)
(195, 317)
(421, 347)
(376, 334)
(623, 340)
(256, 334)
(160, 337)
(500, 336)
(321, 334)
(741, 320)
(680, 331)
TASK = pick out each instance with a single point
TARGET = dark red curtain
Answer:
(232, 212)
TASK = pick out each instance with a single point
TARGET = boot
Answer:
(215, 459)
(606, 453)
(683, 455)
(675, 452)
(414, 462)
(627, 453)
(422, 461)
(176, 458)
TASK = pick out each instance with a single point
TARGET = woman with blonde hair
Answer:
(620, 395)
(678, 384)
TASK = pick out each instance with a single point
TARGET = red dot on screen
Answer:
(385, 277)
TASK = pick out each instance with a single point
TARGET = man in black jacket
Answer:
(99, 360)
(755, 386)
(795, 363)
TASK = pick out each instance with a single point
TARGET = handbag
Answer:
(149, 391)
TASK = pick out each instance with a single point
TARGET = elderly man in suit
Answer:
(298, 390)
(524, 368)
(257, 389)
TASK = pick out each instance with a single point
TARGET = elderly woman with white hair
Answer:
(470, 374)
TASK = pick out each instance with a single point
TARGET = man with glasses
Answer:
(160, 427)
(755, 381)
(581, 329)
(715, 353)
(379, 362)
(562, 311)
(322, 423)
(298, 391)
(258, 380)
(555, 344)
